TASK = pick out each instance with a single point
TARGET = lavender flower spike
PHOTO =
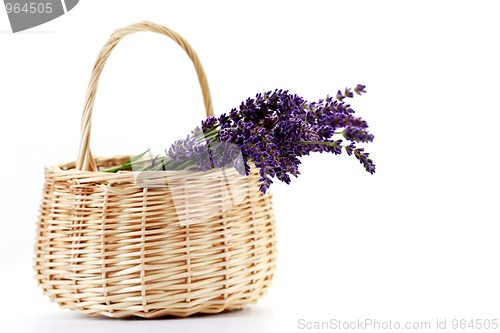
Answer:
(359, 89)
(357, 134)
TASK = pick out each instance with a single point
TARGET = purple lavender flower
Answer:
(365, 160)
(347, 93)
(340, 96)
(273, 130)
(209, 124)
(359, 89)
(357, 134)
(276, 128)
(183, 150)
(350, 148)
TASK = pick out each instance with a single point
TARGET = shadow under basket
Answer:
(174, 243)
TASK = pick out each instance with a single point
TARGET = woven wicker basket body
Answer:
(203, 243)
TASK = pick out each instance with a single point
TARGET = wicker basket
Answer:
(107, 246)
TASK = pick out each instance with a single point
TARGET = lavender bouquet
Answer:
(273, 130)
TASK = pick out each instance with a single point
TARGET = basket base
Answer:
(158, 312)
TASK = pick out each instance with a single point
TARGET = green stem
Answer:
(209, 133)
(160, 165)
(125, 165)
(113, 169)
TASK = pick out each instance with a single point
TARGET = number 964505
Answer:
(29, 8)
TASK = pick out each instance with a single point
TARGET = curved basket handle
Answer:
(85, 160)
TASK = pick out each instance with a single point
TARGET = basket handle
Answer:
(85, 160)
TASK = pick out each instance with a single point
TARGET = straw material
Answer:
(172, 243)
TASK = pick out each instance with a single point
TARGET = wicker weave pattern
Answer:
(106, 245)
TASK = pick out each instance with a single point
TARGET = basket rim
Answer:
(67, 171)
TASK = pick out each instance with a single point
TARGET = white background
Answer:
(417, 241)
